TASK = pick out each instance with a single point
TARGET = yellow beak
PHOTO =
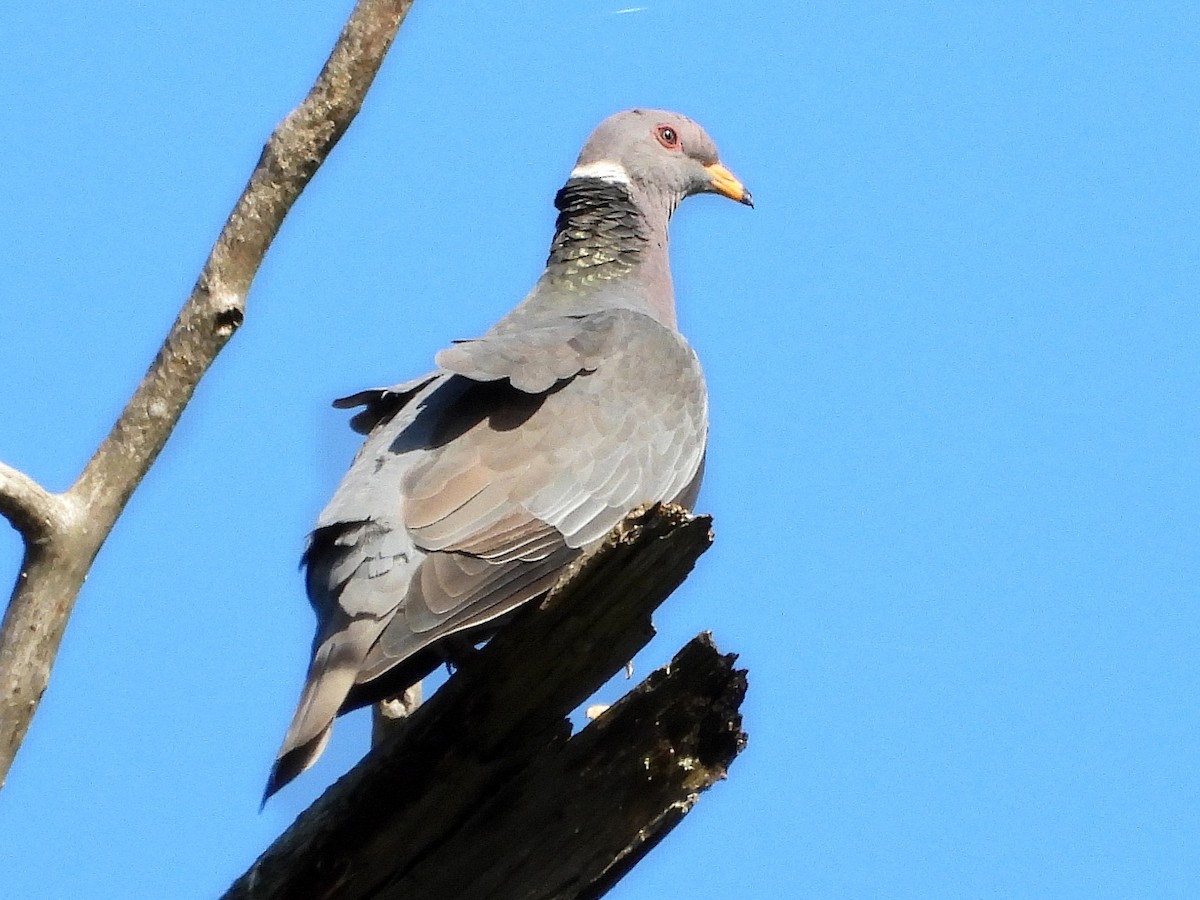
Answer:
(725, 183)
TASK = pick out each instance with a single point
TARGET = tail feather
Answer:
(330, 678)
(291, 763)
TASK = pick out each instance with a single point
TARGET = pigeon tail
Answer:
(330, 678)
(292, 762)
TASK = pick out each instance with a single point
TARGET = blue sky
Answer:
(954, 453)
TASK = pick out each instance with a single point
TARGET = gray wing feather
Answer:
(479, 483)
(381, 403)
(533, 359)
(586, 455)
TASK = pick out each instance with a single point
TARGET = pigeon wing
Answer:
(566, 429)
(477, 486)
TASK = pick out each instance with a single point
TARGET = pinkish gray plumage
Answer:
(480, 481)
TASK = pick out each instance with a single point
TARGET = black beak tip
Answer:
(747, 199)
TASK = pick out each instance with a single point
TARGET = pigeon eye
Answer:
(667, 137)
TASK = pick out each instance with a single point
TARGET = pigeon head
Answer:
(610, 238)
(660, 152)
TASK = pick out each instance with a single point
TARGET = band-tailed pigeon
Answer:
(480, 481)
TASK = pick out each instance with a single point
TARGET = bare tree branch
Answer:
(63, 533)
(484, 793)
(32, 510)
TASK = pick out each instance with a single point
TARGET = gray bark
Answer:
(64, 532)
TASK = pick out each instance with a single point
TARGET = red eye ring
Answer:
(667, 136)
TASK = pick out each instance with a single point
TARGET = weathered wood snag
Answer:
(485, 793)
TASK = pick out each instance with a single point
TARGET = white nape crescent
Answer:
(603, 169)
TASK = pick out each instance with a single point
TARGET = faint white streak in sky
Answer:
(629, 9)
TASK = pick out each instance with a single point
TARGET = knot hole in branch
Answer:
(228, 321)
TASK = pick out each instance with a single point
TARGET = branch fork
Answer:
(64, 532)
